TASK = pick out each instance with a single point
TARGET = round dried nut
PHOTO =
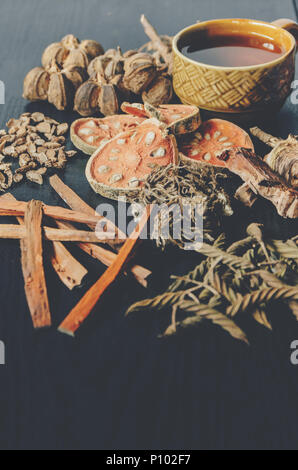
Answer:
(92, 48)
(98, 65)
(76, 75)
(70, 42)
(76, 57)
(36, 84)
(54, 52)
(86, 98)
(160, 91)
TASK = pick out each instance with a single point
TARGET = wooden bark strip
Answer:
(32, 265)
(262, 180)
(69, 270)
(107, 257)
(11, 208)
(52, 234)
(77, 204)
(85, 306)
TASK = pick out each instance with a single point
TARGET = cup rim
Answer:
(243, 67)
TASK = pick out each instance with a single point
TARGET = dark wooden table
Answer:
(117, 385)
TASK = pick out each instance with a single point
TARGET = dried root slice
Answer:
(88, 133)
(212, 138)
(140, 151)
(177, 118)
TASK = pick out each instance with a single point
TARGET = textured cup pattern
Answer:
(232, 90)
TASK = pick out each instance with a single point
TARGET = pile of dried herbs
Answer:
(187, 187)
(244, 278)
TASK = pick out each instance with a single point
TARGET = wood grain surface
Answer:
(117, 385)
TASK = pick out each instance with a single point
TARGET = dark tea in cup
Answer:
(229, 49)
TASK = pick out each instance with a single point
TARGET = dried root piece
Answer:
(142, 149)
(262, 180)
(32, 265)
(283, 157)
(88, 134)
(211, 139)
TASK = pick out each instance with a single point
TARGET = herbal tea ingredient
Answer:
(262, 180)
(283, 157)
(190, 189)
(243, 278)
(69, 270)
(36, 143)
(64, 69)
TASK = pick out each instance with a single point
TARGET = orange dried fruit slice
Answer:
(119, 167)
(178, 118)
(210, 140)
(87, 134)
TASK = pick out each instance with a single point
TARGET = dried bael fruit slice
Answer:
(118, 168)
(178, 118)
(88, 134)
(212, 138)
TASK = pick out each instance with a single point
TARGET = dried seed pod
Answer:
(108, 100)
(98, 65)
(160, 91)
(70, 42)
(76, 75)
(61, 91)
(86, 100)
(36, 84)
(76, 57)
(140, 70)
(54, 52)
(92, 48)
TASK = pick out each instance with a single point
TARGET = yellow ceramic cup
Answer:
(238, 93)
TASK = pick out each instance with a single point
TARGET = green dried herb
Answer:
(241, 279)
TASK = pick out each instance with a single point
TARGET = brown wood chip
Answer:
(32, 265)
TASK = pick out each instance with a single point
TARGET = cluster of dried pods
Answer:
(116, 77)
(64, 69)
(79, 74)
(37, 142)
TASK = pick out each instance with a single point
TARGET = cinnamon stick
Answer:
(105, 256)
(32, 265)
(52, 234)
(69, 270)
(77, 204)
(11, 208)
(85, 306)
